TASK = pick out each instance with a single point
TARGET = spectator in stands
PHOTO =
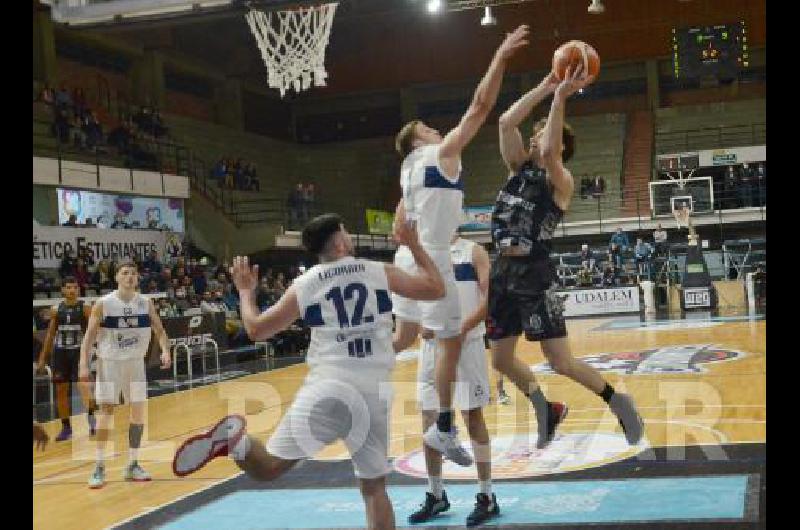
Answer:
(79, 101)
(585, 182)
(744, 187)
(731, 193)
(609, 275)
(642, 253)
(295, 205)
(102, 276)
(230, 297)
(81, 274)
(660, 240)
(181, 300)
(619, 244)
(72, 221)
(587, 257)
(584, 277)
(229, 172)
(186, 283)
(309, 207)
(63, 99)
(78, 134)
(761, 179)
(238, 174)
(255, 185)
(93, 130)
(279, 286)
(120, 137)
(166, 308)
(61, 126)
(218, 171)
(210, 303)
(152, 262)
(199, 279)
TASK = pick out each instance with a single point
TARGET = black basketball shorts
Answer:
(523, 297)
(65, 364)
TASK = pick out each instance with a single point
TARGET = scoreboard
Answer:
(719, 51)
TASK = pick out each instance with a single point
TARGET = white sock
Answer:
(486, 487)
(133, 455)
(240, 450)
(436, 486)
(100, 456)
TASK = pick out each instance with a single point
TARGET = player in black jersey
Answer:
(67, 325)
(523, 281)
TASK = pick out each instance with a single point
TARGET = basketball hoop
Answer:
(292, 45)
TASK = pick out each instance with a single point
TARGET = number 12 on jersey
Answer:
(358, 347)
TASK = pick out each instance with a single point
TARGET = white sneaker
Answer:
(134, 472)
(448, 444)
(198, 450)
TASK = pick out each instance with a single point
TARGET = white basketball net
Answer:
(292, 44)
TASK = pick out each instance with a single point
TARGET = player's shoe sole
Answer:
(198, 450)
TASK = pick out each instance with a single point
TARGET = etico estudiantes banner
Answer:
(582, 302)
(51, 243)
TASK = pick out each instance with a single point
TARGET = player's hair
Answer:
(567, 138)
(404, 140)
(69, 279)
(317, 233)
(127, 263)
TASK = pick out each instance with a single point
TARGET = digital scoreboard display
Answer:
(719, 51)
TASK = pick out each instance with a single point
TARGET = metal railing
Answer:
(710, 138)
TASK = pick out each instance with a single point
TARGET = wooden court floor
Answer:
(695, 384)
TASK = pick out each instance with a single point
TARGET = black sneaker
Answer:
(547, 429)
(431, 508)
(485, 509)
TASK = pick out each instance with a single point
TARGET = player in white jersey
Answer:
(347, 393)
(433, 195)
(121, 323)
(471, 269)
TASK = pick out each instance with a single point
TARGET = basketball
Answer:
(572, 53)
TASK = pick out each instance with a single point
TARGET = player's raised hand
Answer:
(575, 78)
(513, 41)
(245, 278)
(406, 234)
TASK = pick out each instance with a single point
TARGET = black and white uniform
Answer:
(472, 377)
(347, 393)
(122, 343)
(69, 336)
(522, 289)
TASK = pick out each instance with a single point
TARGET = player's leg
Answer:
(84, 389)
(61, 382)
(559, 355)
(134, 389)
(380, 514)
(253, 458)
(486, 502)
(107, 392)
(509, 314)
(444, 317)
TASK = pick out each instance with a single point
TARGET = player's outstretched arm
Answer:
(427, 284)
(261, 326)
(512, 147)
(89, 338)
(553, 137)
(484, 98)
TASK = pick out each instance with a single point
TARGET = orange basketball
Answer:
(573, 53)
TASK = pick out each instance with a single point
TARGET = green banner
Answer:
(379, 221)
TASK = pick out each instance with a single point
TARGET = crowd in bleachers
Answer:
(192, 286)
(135, 137)
(592, 186)
(235, 174)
